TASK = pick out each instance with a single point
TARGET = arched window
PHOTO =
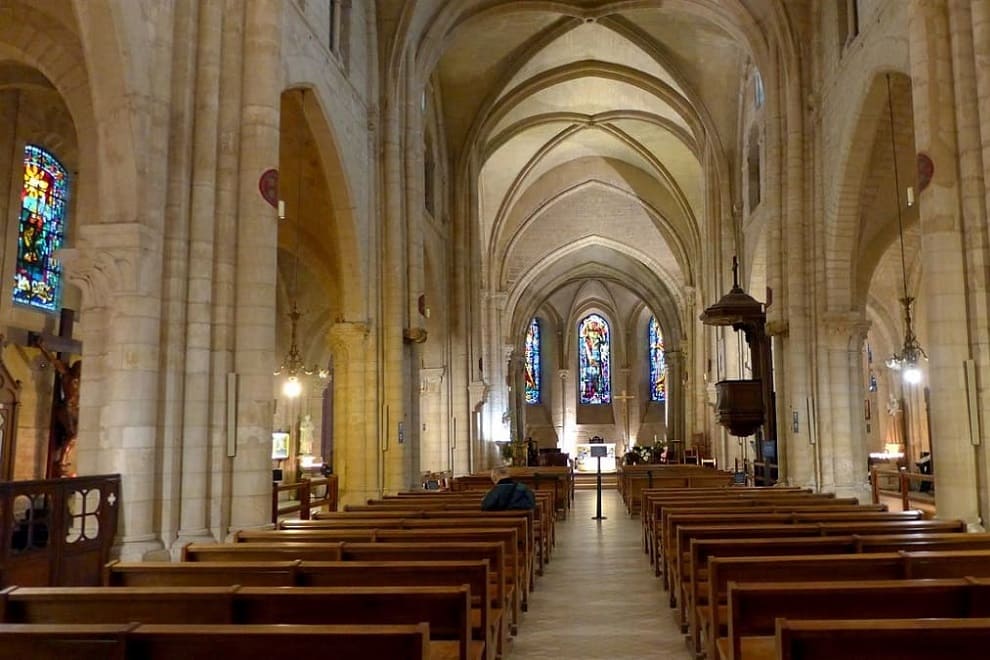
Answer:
(594, 373)
(532, 374)
(658, 364)
(44, 199)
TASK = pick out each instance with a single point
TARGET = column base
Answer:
(141, 548)
(357, 497)
(189, 536)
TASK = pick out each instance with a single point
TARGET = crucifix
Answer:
(624, 400)
(65, 395)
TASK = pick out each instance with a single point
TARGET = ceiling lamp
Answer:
(908, 359)
(292, 365)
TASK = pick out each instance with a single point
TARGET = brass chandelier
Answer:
(908, 359)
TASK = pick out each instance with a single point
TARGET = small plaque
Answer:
(599, 452)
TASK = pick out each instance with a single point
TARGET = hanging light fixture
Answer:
(908, 359)
(292, 365)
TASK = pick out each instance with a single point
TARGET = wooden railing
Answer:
(57, 532)
(309, 494)
(903, 479)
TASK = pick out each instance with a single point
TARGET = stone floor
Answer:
(598, 597)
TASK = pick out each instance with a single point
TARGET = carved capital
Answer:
(778, 328)
(508, 352)
(346, 339)
(414, 335)
(846, 329)
(478, 393)
(111, 258)
(430, 379)
(498, 299)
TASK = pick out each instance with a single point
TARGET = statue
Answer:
(306, 436)
(65, 415)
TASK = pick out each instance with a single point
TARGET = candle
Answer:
(281, 210)
(910, 196)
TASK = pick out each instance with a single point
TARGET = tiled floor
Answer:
(598, 597)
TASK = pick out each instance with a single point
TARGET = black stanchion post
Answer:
(599, 491)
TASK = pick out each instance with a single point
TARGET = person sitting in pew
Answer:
(507, 494)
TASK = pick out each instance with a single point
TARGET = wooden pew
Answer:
(426, 513)
(157, 642)
(53, 642)
(262, 551)
(371, 521)
(767, 506)
(515, 562)
(661, 506)
(686, 534)
(673, 517)
(658, 504)
(445, 609)
(486, 622)
(878, 639)
(754, 608)
(830, 568)
(703, 496)
(201, 574)
(206, 605)
(544, 518)
(633, 479)
(696, 589)
(493, 552)
(486, 619)
(804, 524)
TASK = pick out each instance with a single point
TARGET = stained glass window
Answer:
(658, 364)
(38, 275)
(532, 373)
(594, 375)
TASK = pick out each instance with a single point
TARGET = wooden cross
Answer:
(624, 400)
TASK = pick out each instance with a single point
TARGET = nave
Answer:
(597, 599)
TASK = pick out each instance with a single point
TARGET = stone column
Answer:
(969, 22)
(224, 308)
(398, 371)
(675, 396)
(115, 266)
(477, 396)
(944, 282)
(256, 265)
(357, 454)
(843, 434)
(199, 301)
(434, 454)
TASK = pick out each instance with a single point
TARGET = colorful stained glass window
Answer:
(594, 375)
(44, 199)
(658, 364)
(532, 374)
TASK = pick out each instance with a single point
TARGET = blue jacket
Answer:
(507, 494)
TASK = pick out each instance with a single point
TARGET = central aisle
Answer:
(598, 598)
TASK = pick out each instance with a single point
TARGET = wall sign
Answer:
(268, 186)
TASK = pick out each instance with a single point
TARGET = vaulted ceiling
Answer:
(590, 132)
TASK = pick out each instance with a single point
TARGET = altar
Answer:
(584, 461)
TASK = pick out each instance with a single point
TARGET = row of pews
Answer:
(763, 573)
(417, 575)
